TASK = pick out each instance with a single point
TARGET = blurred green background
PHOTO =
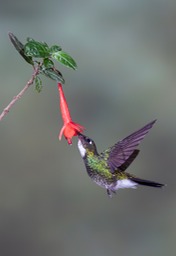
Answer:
(126, 56)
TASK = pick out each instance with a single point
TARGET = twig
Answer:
(17, 97)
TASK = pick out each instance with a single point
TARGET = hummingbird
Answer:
(108, 169)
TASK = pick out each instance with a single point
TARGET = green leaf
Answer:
(48, 63)
(36, 49)
(52, 73)
(30, 39)
(55, 48)
(65, 59)
(20, 48)
(38, 84)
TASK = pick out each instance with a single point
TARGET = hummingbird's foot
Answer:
(109, 192)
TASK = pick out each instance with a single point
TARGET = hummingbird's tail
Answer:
(146, 182)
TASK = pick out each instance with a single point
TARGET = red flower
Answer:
(69, 128)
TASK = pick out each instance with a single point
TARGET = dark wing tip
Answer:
(151, 123)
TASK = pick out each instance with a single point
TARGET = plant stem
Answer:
(17, 97)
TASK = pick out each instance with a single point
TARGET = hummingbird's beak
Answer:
(80, 135)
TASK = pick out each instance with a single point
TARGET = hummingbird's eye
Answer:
(89, 141)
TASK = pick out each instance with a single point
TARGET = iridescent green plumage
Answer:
(107, 169)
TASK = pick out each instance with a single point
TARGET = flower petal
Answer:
(63, 105)
(69, 130)
(61, 132)
(77, 127)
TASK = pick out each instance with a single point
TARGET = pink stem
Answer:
(17, 97)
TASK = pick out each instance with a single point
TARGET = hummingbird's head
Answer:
(86, 145)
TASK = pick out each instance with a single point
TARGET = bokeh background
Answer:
(126, 77)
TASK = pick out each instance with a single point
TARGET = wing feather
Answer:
(118, 154)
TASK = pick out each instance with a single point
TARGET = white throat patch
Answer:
(81, 148)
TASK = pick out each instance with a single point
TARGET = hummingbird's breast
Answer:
(98, 171)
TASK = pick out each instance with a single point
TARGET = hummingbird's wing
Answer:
(124, 150)
(129, 160)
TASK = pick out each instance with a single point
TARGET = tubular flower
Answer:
(69, 128)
